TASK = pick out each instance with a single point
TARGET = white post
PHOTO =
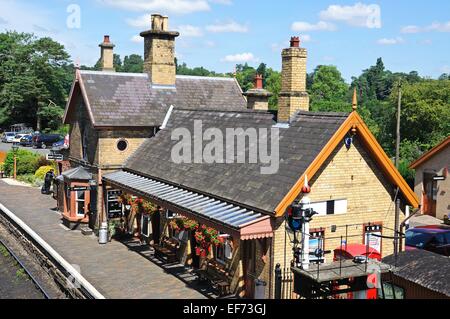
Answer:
(305, 236)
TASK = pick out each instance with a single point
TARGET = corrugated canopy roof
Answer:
(217, 211)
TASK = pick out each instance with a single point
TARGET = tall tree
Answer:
(33, 77)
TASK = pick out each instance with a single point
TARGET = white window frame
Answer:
(77, 201)
(216, 255)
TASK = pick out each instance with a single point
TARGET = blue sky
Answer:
(217, 34)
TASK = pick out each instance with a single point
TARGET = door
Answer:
(430, 194)
(249, 263)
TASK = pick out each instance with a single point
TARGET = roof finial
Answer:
(355, 100)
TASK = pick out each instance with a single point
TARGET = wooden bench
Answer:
(167, 250)
(217, 276)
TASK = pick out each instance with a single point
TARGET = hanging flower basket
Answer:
(200, 252)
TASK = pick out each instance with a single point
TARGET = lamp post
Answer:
(15, 148)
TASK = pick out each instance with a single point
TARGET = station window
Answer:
(122, 145)
(79, 203)
(224, 252)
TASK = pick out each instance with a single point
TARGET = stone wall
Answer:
(160, 60)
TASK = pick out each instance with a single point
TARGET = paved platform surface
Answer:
(113, 269)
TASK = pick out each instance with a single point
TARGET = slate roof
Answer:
(238, 183)
(129, 99)
(424, 268)
(77, 173)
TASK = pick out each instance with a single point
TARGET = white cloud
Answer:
(434, 27)
(231, 26)
(144, 21)
(224, 2)
(189, 31)
(300, 26)
(359, 15)
(137, 39)
(390, 41)
(410, 29)
(240, 57)
(445, 69)
(166, 6)
(210, 44)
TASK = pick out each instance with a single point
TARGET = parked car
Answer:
(17, 138)
(60, 145)
(432, 238)
(8, 137)
(45, 140)
(27, 140)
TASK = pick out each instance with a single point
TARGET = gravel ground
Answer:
(13, 284)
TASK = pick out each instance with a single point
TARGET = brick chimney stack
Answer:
(293, 95)
(107, 54)
(258, 97)
(159, 52)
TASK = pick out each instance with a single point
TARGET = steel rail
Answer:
(84, 284)
(22, 265)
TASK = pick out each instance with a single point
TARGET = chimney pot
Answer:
(258, 81)
(295, 42)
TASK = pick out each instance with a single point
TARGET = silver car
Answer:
(8, 137)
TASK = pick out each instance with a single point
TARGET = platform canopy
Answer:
(224, 216)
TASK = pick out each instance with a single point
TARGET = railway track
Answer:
(24, 267)
(67, 278)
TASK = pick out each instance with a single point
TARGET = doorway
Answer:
(430, 194)
(249, 263)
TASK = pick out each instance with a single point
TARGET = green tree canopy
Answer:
(33, 76)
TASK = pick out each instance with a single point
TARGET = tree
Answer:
(33, 72)
(133, 64)
(425, 111)
(328, 85)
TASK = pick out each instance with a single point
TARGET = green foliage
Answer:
(33, 74)
(27, 162)
(328, 85)
(42, 171)
(425, 111)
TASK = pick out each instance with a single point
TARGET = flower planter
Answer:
(200, 252)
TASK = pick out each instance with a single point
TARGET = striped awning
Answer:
(249, 224)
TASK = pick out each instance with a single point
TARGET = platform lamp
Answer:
(15, 148)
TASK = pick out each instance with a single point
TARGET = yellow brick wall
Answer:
(293, 96)
(110, 155)
(294, 70)
(107, 58)
(257, 103)
(353, 175)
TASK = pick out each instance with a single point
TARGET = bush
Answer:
(27, 162)
(42, 171)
